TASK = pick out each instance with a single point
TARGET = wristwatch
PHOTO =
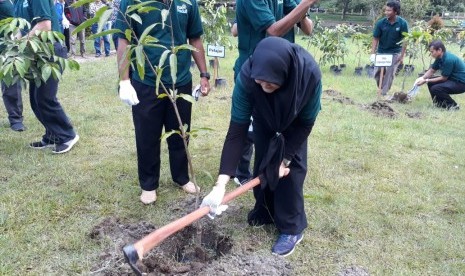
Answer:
(205, 75)
(286, 162)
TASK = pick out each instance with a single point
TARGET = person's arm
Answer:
(199, 58)
(234, 29)
(426, 78)
(123, 62)
(374, 45)
(282, 26)
(44, 25)
(306, 25)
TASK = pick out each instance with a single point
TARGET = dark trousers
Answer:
(440, 92)
(285, 205)
(150, 116)
(13, 102)
(48, 110)
(243, 172)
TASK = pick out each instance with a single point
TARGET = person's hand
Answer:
(127, 93)
(372, 58)
(215, 197)
(204, 86)
(65, 23)
(420, 81)
(283, 171)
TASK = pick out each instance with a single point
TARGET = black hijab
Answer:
(288, 65)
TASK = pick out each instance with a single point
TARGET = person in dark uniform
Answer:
(451, 80)
(280, 85)
(151, 113)
(59, 133)
(12, 94)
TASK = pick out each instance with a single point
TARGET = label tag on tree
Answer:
(215, 51)
(383, 60)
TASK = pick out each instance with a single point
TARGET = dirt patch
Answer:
(381, 109)
(400, 97)
(415, 115)
(179, 254)
(338, 97)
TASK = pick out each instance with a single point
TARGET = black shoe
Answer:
(41, 145)
(65, 147)
(18, 127)
(97, 55)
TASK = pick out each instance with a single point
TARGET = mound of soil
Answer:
(179, 254)
(382, 109)
(338, 97)
(400, 97)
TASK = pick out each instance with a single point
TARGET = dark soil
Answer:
(338, 97)
(382, 109)
(400, 97)
(217, 253)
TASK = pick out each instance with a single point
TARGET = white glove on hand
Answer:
(213, 200)
(65, 23)
(372, 58)
(127, 93)
(419, 81)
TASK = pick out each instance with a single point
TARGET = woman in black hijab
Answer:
(280, 86)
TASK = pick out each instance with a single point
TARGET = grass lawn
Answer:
(383, 194)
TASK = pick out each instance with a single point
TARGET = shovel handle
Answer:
(147, 243)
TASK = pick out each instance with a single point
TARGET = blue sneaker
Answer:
(285, 244)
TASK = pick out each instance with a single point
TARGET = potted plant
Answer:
(362, 41)
(216, 31)
(333, 47)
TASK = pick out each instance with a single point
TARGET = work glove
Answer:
(215, 197)
(372, 58)
(65, 23)
(419, 81)
(127, 93)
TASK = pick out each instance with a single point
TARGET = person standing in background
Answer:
(12, 94)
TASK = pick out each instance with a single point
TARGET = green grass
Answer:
(384, 194)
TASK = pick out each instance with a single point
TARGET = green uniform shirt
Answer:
(186, 24)
(290, 36)
(242, 105)
(6, 9)
(451, 66)
(36, 11)
(390, 35)
(253, 19)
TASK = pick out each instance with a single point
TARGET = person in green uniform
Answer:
(12, 94)
(280, 84)
(59, 133)
(150, 113)
(387, 34)
(255, 21)
(452, 78)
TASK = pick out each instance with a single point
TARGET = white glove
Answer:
(127, 93)
(372, 58)
(419, 81)
(214, 199)
(65, 23)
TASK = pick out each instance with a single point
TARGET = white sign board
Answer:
(215, 51)
(383, 60)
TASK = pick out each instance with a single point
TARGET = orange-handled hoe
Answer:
(136, 251)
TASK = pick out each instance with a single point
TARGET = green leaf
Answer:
(166, 135)
(185, 47)
(164, 16)
(146, 32)
(163, 57)
(173, 67)
(132, 8)
(85, 25)
(80, 3)
(104, 33)
(104, 18)
(158, 80)
(46, 72)
(127, 34)
(187, 2)
(187, 97)
(162, 95)
(136, 18)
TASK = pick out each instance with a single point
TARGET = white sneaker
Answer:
(148, 197)
(190, 188)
